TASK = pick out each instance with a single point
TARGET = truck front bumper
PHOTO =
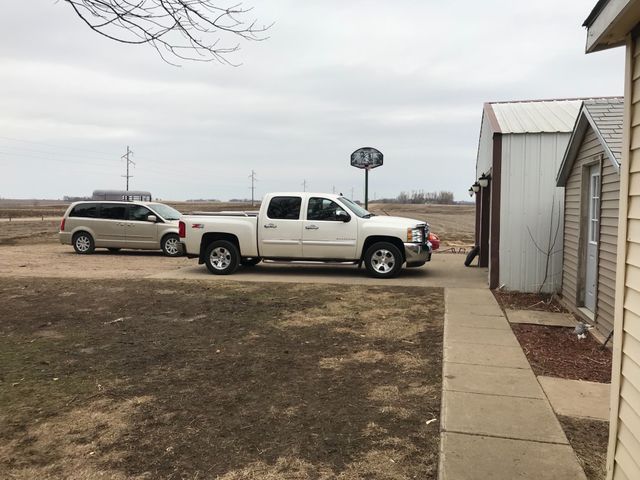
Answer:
(417, 254)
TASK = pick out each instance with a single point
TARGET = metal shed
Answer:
(519, 213)
(129, 195)
(590, 175)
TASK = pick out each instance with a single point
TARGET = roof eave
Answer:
(610, 22)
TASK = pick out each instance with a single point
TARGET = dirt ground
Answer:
(558, 352)
(589, 439)
(454, 224)
(528, 301)
(156, 379)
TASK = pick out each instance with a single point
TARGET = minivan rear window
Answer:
(85, 210)
(113, 211)
(284, 208)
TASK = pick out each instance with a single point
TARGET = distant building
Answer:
(129, 195)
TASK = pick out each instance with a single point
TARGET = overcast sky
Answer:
(407, 77)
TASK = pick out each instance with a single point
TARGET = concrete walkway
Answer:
(496, 420)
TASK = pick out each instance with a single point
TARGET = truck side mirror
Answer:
(343, 216)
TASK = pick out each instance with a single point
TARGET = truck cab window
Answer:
(323, 209)
(284, 208)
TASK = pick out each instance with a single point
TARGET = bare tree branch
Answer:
(176, 29)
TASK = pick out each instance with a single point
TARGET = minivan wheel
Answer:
(383, 260)
(171, 245)
(83, 243)
(222, 257)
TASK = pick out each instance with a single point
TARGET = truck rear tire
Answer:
(383, 260)
(222, 257)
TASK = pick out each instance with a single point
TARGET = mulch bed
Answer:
(589, 439)
(557, 352)
(528, 301)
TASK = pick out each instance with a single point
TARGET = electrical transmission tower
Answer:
(127, 158)
(253, 186)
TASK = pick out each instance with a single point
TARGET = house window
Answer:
(594, 207)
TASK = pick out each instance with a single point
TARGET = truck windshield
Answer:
(355, 208)
(166, 211)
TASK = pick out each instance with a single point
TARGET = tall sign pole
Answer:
(366, 158)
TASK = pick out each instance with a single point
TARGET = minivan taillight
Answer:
(182, 229)
(62, 225)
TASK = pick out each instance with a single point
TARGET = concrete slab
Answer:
(498, 416)
(478, 354)
(482, 309)
(485, 336)
(444, 270)
(472, 296)
(541, 318)
(472, 457)
(465, 320)
(577, 398)
(515, 382)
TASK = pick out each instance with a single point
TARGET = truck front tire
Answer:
(222, 257)
(383, 260)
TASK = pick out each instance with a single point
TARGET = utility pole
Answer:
(253, 187)
(304, 185)
(333, 189)
(126, 157)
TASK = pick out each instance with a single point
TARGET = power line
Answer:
(126, 156)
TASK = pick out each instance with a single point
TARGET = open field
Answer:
(454, 224)
(155, 379)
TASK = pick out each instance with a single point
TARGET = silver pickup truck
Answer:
(318, 227)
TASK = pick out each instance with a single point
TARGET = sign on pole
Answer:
(366, 158)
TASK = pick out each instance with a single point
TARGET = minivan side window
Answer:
(113, 211)
(139, 213)
(85, 210)
(323, 209)
(284, 208)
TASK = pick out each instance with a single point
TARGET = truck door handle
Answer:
(311, 227)
(270, 225)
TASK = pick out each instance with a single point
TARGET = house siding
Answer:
(607, 247)
(528, 199)
(591, 152)
(624, 442)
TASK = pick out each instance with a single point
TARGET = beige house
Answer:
(590, 175)
(614, 23)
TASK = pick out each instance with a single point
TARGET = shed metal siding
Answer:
(529, 194)
(624, 442)
(485, 147)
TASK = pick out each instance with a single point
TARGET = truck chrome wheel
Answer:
(220, 258)
(383, 261)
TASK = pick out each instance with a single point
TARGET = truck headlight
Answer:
(415, 235)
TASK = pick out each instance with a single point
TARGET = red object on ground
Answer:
(435, 241)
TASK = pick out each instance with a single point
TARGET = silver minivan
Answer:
(114, 225)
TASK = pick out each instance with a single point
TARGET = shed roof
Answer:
(605, 116)
(537, 116)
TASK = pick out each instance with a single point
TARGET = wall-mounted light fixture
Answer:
(476, 187)
(484, 180)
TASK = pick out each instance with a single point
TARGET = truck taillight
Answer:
(62, 225)
(182, 229)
